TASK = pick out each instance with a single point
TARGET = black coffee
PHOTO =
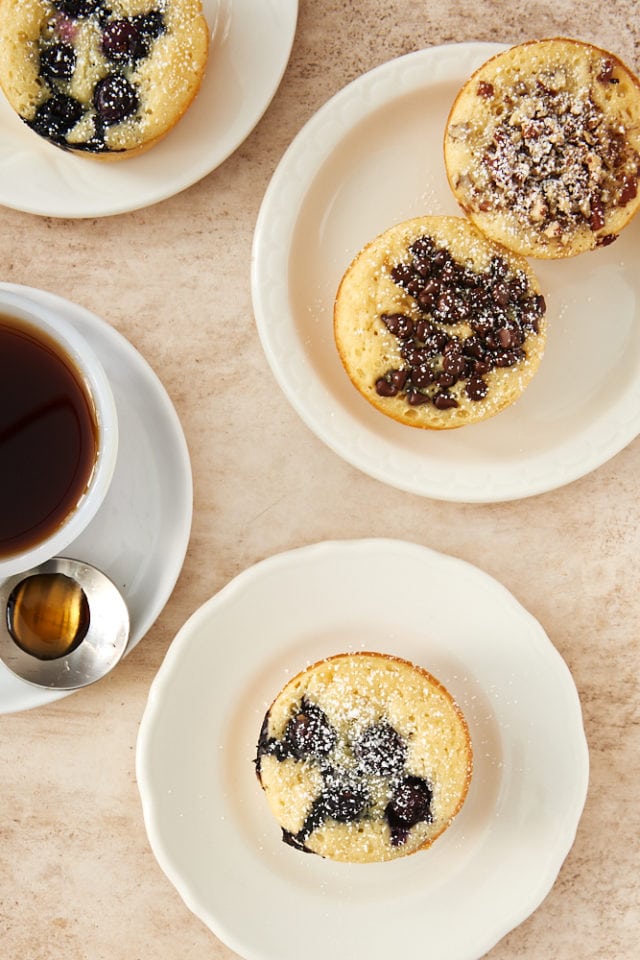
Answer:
(48, 436)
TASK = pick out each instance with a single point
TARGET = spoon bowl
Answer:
(63, 624)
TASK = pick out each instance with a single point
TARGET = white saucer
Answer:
(372, 156)
(208, 822)
(249, 53)
(139, 536)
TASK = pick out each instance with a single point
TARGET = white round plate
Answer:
(371, 157)
(249, 52)
(139, 536)
(208, 822)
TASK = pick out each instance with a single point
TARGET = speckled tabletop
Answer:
(78, 880)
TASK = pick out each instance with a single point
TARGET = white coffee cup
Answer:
(50, 328)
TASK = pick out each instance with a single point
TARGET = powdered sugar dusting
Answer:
(544, 140)
(554, 160)
(107, 78)
(363, 757)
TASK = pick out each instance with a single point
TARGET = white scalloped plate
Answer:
(372, 156)
(208, 822)
(249, 52)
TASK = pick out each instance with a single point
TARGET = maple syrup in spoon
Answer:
(64, 624)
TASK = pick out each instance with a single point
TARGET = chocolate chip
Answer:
(508, 358)
(453, 363)
(398, 324)
(444, 401)
(416, 399)
(423, 330)
(445, 302)
(480, 367)
(441, 257)
(422, 376)
(473, 347)
(427, 295)
(398, 378)
(445, 379)
(501, 294)
(498, 268)
(505, 337)
(414, 355)
(476, 388)
(421, 247)
(422, 267)
(386, 388)
(402, 274)
(532, 309)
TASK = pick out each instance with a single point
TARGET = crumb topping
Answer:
(552, 158)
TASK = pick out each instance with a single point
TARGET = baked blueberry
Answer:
(77, 8)
(380, 750)
(56, 116)
(343, 801)
(409, 805)
(122, 40)
(309, 733)
(57, 61)
(114, 98)
(150, 24)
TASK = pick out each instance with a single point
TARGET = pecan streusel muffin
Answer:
(542, 147)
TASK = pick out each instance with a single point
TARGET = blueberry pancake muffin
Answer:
(437, 326)
(103, 78)
(542, 147)
(364, 757)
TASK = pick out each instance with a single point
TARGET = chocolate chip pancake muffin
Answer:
(437, 326)
(103, 78)
(542, 147)
(364, 757)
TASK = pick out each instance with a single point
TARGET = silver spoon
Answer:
(63, 624)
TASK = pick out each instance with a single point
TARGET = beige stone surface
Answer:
(77, 878)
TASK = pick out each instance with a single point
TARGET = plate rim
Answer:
(232, 591)
(273, 232)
